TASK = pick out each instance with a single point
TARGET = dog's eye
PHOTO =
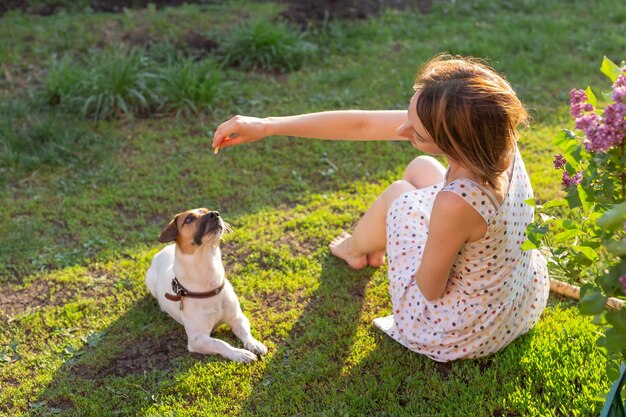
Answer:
(189, 219)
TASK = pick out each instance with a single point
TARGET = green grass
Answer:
(266, 45)
(78, 229)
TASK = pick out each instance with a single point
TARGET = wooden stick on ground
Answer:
(572, 291)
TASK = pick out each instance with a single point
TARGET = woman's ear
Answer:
(170, 232)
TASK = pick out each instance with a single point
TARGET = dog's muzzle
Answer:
(210, 223)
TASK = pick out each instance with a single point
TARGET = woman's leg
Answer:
(424, 171)
(366, 245)
(370, 234)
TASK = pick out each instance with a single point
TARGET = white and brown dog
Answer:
(187, 278)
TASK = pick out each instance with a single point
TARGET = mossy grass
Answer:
(77, 237)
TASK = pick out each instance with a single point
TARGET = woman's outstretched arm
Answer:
(330, 125)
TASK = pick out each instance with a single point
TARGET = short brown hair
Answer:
(471, 112)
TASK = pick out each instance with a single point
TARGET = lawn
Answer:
(83, 202)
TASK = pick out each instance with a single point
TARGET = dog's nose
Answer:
(213, 214)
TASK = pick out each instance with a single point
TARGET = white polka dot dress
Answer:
(495, 292)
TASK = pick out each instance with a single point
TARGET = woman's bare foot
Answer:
(376, 259)
(341, 247)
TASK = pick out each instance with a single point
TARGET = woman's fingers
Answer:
(224, 130)
(221, 143)
(239, 129)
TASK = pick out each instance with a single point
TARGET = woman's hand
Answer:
(238, 130)
(330, 125)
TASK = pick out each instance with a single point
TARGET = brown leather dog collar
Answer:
(180, 292)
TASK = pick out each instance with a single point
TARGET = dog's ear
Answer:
(170, 232)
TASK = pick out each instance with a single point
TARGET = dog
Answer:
(187, 278)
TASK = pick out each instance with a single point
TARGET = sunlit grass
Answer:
(79, 234)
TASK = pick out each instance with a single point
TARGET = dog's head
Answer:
(194, 228)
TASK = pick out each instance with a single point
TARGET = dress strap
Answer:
(476, 195)
(492, 198)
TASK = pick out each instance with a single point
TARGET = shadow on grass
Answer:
(332, 362)
(143, 356)
(121, 369)
(308, 366)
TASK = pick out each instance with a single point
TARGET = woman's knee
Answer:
(396, 189)
(424, 171)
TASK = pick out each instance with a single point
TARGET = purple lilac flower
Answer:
(619, 87)
(619, 93)
(568, 181)
(602, 132)
(559, 161)
(621, 80)
(622, 281)
(587, 121)
(608, 131)
(578, 100)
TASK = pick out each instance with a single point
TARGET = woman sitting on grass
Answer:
(460, 285)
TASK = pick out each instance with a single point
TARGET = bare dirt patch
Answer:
(61, 404)
(42, 293)
(199, 44)
(9, 381)
(306, 12)
(301, 12)
(443, 369)
(150, 353)
(38, 294)
(297, 245)
(282, 301)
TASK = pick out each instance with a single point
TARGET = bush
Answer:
(267, 46)
(591, 241)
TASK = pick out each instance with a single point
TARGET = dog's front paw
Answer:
(242, 355)
(255, 346)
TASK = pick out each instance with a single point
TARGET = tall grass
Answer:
(116, 83)
(127, 83)
(266, 45)
(189, 87)
(107, 85)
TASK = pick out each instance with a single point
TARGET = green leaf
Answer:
(587, 251)
(600, 319)
(617, 319)
(615, 339)
(591, 98)
(571, 148)
(609, 69)
(531, 202)
(554, 203)
(573, 199)
(613, 218)
(568, 234)
(617, 247)
(580, 260)
(612, 371)
(534, 234)
(591, 300)
(568, 224)
(586, 200)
